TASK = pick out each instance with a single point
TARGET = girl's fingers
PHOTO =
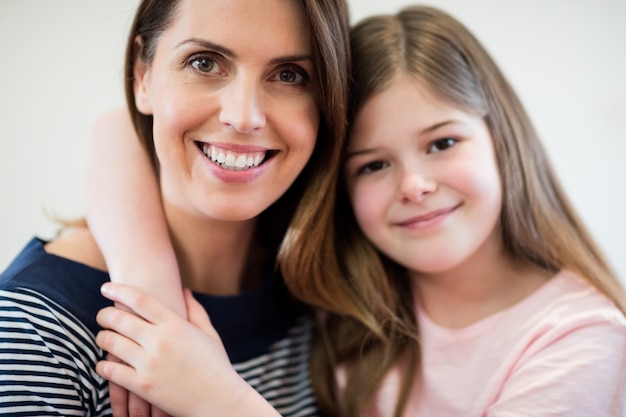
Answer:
(123, 348)
(123, 379)
(124, 323)
(119, 373)
(138, 301)
(197, 315)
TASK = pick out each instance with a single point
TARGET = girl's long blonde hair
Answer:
(369, 321)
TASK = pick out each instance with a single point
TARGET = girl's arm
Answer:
(125, 214)
(206, 383)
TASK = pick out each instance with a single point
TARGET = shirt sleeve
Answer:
(47, 360)
(577, 371)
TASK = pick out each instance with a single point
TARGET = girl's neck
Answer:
(212, 255)
(487, 282)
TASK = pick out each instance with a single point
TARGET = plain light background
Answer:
(62, 66)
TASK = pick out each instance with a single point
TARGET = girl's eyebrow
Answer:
(229, 53)
(439, 125)
(427, 129)
(359, 152)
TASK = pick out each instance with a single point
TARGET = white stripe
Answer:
(271, 374)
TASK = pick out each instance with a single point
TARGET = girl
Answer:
(517, 311)
(450, 210)
(240, 126)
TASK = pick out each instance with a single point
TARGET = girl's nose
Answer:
(242, 107)
(415, 186)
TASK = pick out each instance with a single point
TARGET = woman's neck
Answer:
(212, 255)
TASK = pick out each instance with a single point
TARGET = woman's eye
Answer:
(441, 145)
(205, 65)
(291, 76)
(372, 167)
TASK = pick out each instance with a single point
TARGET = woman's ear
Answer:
(141, 73)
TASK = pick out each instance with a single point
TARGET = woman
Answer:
(196, 84)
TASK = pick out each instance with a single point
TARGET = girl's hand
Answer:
(127, 404)
(179, 366)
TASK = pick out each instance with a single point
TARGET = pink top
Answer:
(559, 352)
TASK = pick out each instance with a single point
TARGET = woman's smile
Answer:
(235, 114)
(235, 160)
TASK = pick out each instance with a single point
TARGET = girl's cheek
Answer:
(367, 206)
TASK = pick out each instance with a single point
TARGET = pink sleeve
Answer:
(578, 372)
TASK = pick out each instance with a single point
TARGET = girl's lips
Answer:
(428, 218)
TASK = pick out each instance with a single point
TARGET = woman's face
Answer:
(235, 112)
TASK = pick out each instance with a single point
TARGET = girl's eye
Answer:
(204, 64)
(291, 76)
(441, 145)
(373, 166)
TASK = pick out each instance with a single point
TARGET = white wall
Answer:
(61, 66)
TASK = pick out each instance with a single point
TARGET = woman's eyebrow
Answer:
(209, 45)
(291, 58)
(231, 54)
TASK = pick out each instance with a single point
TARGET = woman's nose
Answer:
(415, 185)
(242, 106)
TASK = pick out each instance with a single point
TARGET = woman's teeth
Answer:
(233, 160)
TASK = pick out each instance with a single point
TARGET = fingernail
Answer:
(106, 289)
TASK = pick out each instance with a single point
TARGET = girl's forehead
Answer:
(406, 108)
(403, 97)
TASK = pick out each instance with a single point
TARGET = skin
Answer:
(143, 339)
(426, 190)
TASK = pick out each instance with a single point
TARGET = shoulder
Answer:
(48, 305)
(567, 314)
(569, 298)
(572, 349)
(59, 277)
(79, 246)
(46, 346)
(582, 301)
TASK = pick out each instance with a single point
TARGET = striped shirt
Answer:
(48, 353)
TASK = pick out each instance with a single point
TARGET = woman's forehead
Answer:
(279, 26)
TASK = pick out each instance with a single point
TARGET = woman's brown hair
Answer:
(370, 320)
(301, 220)
(308, 197)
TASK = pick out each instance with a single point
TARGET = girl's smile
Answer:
(428, 220)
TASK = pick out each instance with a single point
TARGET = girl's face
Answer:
(235, 111)
(423, 179)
